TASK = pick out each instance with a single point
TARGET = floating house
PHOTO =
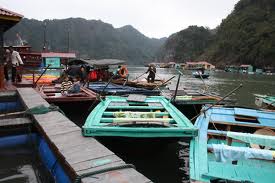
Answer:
(196, 65)
(55, 59)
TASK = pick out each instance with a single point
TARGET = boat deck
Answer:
(78, 155)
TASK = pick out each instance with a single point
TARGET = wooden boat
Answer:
(137, 116)
(52, 93)
(197, 74)
(141, 83)
(265, 101)
(114, 89)
(235, 145)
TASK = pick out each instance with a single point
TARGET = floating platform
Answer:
(137, 116)
(83, 159)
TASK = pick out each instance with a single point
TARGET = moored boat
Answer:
(141, 83)
(147, 117)
(197, 74)
(265, 101)
(232, 145)
(114, 89)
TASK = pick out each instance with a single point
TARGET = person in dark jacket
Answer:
(152, 74)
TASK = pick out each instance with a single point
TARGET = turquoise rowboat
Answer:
(151, 118)
(265, 101)
(234, 144)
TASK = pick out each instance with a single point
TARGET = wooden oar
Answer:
(99, 96)
(228, 94)
(34, 85)
(157, 86)
(205, 86)
(139, 76)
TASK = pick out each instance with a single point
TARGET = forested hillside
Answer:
(185, 45)
(246, 36)
(89, 38)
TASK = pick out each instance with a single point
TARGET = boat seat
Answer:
(155, 104)
(136, 98)
(119, 103)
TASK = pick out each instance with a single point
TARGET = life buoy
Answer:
(123, 72)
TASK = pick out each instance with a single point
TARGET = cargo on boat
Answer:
(233, 144)
(137, 116)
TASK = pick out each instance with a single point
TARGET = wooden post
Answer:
(1, 57)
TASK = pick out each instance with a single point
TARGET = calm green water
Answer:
(219, 82)
(170, 164)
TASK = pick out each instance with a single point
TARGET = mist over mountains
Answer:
(88, 38)
(246, 36)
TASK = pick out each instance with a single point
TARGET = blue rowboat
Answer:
(151, 118)
(114, 89)
(233, 144)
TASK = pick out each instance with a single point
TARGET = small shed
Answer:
(55, 59)
(7, 20)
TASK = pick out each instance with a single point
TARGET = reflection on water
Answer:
(170, 164)
(21, 165)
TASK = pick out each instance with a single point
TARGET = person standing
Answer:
(16, 62)
(152, 74)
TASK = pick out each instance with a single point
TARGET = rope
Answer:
(42, 109)
(119, 167)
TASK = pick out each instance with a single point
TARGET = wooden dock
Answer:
(77, 154)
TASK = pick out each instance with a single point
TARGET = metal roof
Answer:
(57, 54)
(5, 12)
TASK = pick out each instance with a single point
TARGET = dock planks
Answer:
(76, 153)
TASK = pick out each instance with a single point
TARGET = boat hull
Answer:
(232, 133)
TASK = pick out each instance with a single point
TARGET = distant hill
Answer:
(89, 38)
(185, 45)
(246, 36)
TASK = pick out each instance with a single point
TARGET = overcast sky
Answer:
(154, 18)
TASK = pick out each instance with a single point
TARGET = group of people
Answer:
(14, 60)
(71, 80)
(70, 85)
